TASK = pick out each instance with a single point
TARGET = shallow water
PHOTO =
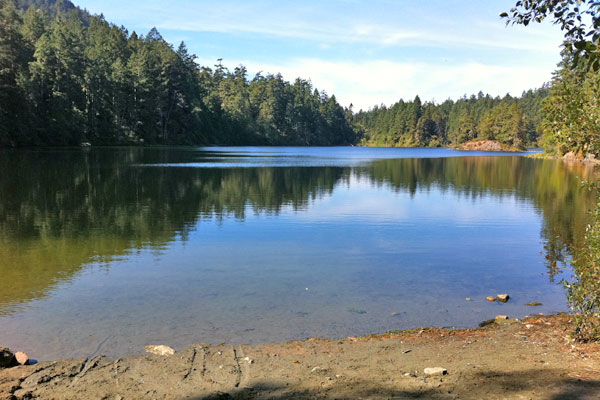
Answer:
(103, 251)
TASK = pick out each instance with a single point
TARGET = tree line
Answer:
(68, 77)
(513, 121)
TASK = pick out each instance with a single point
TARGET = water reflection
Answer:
(63, 210)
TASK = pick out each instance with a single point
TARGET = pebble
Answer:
(502, 298)
(534, 304)
(248, 360)
(501, 317)
(468, 299)
(22, 358)
(435, 371)
(490, 298)
(160, 350)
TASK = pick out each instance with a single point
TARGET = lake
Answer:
(103, 251)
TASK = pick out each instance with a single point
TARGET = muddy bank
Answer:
(509, 359)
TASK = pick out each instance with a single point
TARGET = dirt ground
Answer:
(530, 359)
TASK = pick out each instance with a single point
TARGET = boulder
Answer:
(22, 358)
(503, 298)
(160, 350)
(7, 358)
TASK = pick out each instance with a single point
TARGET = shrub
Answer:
(583, 291)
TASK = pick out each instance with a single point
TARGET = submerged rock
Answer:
(503, 298)
(534, 304)
(22, 358)
(357, 311)
(7, 358)
(160, 350)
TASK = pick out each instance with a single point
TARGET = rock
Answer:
(570, 156)
(534, 304)
(503, 298)
(468, 299)
(160, 350)
(435, 371)
(490, 299)
(483, 145)
(7, 358)
(22, 358)
(320, 370)
(501, 317)
(486, 322)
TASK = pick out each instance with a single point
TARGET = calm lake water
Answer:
(106, 250)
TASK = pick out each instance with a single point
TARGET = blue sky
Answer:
(364, 52)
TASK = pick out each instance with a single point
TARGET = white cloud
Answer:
(365, 53)
(371, 82)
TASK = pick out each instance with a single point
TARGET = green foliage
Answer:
(582, 40)
(511, 121)
(572, 111)
(583, 293)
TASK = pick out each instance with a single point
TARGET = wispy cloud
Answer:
(366, 53)
(382, 23)
(373, 82)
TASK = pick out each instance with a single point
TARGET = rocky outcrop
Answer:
(486, 145)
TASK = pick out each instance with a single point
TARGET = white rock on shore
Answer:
(160, 350)
(435, 371)
(22, 358)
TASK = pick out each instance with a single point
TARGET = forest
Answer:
(513, 121)
(69, 77)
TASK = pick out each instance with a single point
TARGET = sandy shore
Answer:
(530, 359)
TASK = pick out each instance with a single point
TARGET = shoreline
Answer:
(510, 358)
(566, 158)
